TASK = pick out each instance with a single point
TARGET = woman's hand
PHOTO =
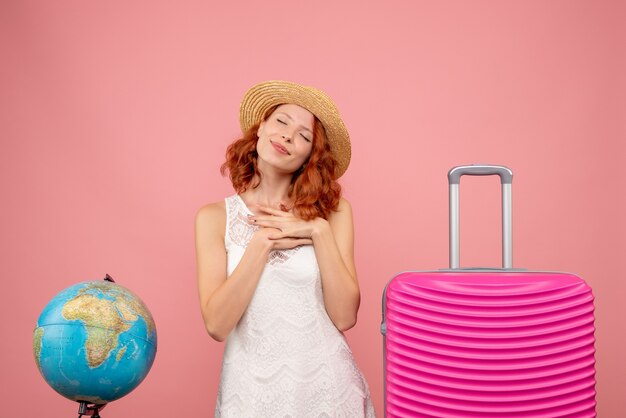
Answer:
(283, 229)
(334, 250)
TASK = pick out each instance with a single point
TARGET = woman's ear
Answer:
(258, 131)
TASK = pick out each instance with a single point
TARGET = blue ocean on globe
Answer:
(95, 342)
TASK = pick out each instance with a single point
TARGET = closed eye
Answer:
(306, 138)
(281, 121)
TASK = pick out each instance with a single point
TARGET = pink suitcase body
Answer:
(488, 342)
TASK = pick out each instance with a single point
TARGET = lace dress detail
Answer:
(285, 358)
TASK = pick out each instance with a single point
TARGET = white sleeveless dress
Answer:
(285, 358)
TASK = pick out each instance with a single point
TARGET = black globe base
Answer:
(89, 409)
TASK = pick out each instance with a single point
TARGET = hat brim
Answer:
(262, 97)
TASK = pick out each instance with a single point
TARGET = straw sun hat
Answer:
(261, 97)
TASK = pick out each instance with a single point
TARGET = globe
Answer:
(95, 342)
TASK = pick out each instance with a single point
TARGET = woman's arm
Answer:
(223, 301)
(334, 248)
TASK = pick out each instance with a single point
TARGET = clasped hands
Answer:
(283, 230)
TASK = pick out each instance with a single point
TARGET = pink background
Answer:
(114, 118)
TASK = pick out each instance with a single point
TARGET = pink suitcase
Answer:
(488, 342)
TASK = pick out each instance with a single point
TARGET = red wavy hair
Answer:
(314, 189)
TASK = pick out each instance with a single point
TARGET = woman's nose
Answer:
(287, 138)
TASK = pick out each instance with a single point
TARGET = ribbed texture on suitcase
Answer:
(482, 344)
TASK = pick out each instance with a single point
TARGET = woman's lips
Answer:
(280, 148)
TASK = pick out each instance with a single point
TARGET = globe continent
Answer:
(95, 342)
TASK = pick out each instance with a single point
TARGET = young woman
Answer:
(276, 272)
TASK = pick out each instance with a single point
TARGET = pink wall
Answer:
(114, 117)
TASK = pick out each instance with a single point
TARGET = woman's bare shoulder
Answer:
(211, 216)
(344, 205)
(342, 212)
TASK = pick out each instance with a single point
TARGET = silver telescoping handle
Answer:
(506, 178)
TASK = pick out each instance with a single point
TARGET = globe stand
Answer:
(89, 409)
